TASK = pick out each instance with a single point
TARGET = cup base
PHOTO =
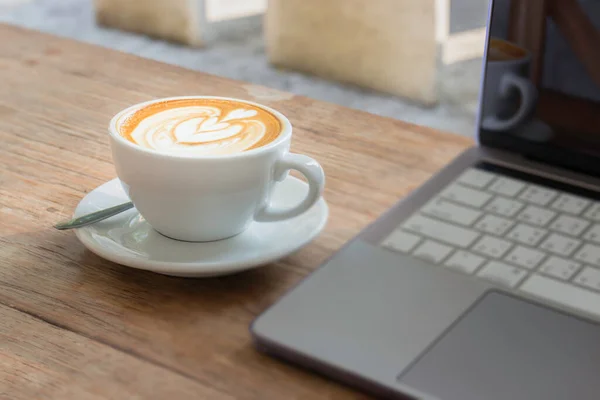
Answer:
(172, 237)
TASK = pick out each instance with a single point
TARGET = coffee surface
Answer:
(200, 126)
(500, 50)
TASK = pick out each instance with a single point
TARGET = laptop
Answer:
(484, 283)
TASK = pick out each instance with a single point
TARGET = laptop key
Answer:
(505, 207)
(526, 234)
(563, 293)
(476, 178)
(502, 273)
(590, 254)
(450, 212)
(432, 251)
(560, 244)
(465, 261)
(536, 215)
(570, 225)
(467, 196)
(441, 231)
(593, 212)
(492, 247)
(493, 224)
(560, 268)
(401, 241)
(589, 277)
(538, 195)
(570, 204)
(507, 186)
(593, 234)
(525, 257)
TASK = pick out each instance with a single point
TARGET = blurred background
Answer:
(413, 60)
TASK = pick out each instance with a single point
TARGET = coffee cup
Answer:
(509, 95)
(201, 168)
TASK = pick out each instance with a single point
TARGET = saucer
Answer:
(129, 240)
(536, 131)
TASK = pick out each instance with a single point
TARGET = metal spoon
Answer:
(94, 217)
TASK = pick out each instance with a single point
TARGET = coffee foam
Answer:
(200, 126)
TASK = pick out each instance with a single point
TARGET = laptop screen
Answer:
(541, 91)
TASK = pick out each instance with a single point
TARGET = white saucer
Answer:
(129, 240)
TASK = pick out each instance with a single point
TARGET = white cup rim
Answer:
(286, 130)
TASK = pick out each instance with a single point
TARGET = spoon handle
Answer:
(93, 217)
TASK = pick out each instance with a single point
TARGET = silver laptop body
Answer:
(484, 283)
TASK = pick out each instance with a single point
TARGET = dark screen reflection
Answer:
(542, 85)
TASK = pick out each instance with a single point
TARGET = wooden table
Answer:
(74, 326)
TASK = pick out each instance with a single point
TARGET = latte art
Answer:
(200, 126)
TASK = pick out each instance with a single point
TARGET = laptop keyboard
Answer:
(512, 233)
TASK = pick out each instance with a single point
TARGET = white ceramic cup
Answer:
(206, 198)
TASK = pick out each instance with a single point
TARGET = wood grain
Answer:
(76, 326)
(42, 361)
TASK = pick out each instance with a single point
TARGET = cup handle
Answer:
(528, 100)
(316, 182)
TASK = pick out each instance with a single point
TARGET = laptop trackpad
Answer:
(507, 348)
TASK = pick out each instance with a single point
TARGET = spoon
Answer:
(94, 217)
